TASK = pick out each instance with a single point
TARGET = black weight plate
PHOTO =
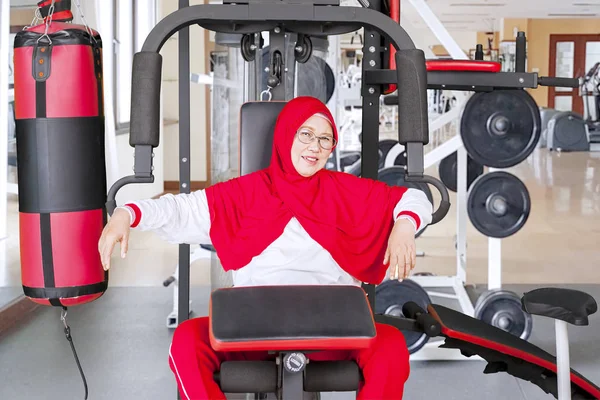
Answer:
(502, 309)
(394, 176)
(385, 146)
(500, 128)
(447, 170)
(391, 295)
(495, 190)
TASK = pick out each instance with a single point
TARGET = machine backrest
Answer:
(257, 123)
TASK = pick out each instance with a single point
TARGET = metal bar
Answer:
(403, 324)
(370, 110)
(434, 281)
(184, 161)
(494, 263)
(562, 360)
(463, 298)
(442, 295)
(439, 30)
(335, 17)
(521, 52)
(277, 45)
(461, 213)
(4, 73)
(462, 80)
(441, 152)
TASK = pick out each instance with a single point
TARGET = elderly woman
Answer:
(293, 223)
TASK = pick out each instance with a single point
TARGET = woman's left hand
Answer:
(401, 253)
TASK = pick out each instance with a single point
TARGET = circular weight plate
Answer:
(502, 309)
(394, 176)
(385, 146)
(498, 204)
(391, 295)
(447, 170)
(500, 128)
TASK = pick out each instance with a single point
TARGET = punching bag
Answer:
(61, 158)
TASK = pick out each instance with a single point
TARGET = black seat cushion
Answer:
(299, 317)
(572, 306)
(257, 124)
(506, 352)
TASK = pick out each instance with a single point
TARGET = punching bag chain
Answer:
(63, 317)
(87, 28)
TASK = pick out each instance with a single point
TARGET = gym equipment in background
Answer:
(567, 131)
(498, 204)
(546, 115)
(447, 170)
(500, 128)
(392, 295)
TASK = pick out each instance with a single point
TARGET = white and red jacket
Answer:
(294, 258)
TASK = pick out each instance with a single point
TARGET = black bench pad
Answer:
(572, 306)
(506, 352)
(298, 317)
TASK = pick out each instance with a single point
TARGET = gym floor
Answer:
(122, 340)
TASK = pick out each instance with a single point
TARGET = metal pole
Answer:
(4, 43)
(562, 360)
(461, 214)
(184, 160)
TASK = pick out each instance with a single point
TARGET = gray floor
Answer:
(8, 294)
(122, 342)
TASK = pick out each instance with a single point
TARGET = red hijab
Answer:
(350, 217)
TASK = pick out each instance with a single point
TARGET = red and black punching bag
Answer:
(61, 158)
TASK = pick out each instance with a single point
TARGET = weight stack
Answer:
(59, 117)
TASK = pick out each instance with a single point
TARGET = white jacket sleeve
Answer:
(416, 207)
(181, 218)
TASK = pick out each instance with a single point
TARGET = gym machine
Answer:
(289, 375)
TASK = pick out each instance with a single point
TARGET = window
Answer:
(133, 20)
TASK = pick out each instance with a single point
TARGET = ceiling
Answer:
(485, 15)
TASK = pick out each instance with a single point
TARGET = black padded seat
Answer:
(257, 124)
(572, 306)
(331, 317)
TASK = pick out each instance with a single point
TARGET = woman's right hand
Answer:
(117, 230)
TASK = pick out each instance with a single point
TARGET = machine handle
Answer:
(145, 99)
(413, 124)
(559, 82)
(414, 311)
(444, 207)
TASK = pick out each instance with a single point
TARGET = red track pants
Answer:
(385, 365)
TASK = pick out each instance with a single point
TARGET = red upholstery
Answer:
(463, 65)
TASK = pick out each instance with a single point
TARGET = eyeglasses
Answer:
(326, 142)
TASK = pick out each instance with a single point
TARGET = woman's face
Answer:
(313, 143)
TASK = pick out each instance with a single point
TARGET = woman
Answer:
(291, 223)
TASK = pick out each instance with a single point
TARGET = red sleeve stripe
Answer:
(137, 214)
(412, 215)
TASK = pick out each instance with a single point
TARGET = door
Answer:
(571, 56)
